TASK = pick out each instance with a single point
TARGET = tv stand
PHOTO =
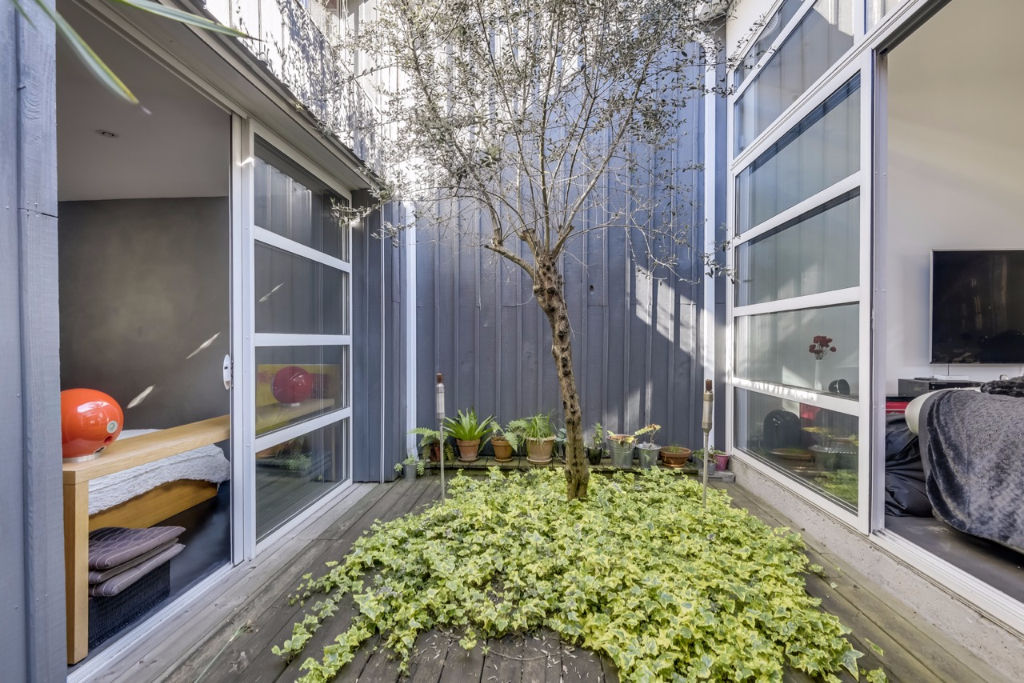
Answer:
(922, 385)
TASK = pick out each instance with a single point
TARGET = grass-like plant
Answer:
(534, 427)
(638, 572)
(466, 427)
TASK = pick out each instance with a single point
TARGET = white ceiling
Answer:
(177, 144)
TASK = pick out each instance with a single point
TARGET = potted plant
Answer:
(539, 436)
(505, 442)
(468, 433)
(412, 467)
(595, 447)
(720, 458)
(648, 450)
(675, 456)
(623, 444)
(430, 442)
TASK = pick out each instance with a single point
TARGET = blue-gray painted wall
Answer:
(635, 339)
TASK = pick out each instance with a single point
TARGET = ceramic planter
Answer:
(622, 455)
(648, 454)
(594, 455)
(468, 450)
(721, 462)
(435, 452)
(538, 451)
(675, 456)
(502, 449)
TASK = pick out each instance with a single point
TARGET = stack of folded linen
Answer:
(129, 574)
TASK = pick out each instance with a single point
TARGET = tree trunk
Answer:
(548, 288)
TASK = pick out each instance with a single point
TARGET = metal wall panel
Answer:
(635, 338)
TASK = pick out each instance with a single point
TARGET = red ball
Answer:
(292, 385)
(89, 421)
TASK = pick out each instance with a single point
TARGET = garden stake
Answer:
(440, 424)
(705, 424)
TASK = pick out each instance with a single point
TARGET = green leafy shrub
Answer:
(534, 427)
(639, 571)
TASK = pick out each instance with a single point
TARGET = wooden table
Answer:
(122, 455)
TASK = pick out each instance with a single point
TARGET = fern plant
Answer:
(534, 427)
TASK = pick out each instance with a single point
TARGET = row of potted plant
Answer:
(539, 436)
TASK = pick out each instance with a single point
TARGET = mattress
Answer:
(206, 463)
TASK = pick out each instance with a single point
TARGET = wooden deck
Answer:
(239, 648)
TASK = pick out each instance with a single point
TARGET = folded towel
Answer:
(115, 585)
(99, 577)
(112, 546)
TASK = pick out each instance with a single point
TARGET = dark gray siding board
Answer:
(636, 339)
(31, 568)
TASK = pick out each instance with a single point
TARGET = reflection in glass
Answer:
(292, 203)
(822, 149)
(776, 348)
(296, 383)
(817, 252)
(295, 295)
(291, 475)
(816, 446)
(819, 40)
(772, 28)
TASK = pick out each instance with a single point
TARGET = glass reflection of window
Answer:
(818, 41)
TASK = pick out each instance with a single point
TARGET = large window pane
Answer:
(294, 204)
(776, 348)
(291, 475)
(771, 31)
(878, 9)
(298, 296)
(817, 252)
(811, 444)
(816, 153)
(296, 383)
(819, 40)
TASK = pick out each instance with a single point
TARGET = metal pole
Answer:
(705, 424)
(439, 403)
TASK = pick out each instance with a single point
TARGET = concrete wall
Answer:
(955, 142)
(144, 287)
(31, 525)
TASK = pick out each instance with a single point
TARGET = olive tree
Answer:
(531, 113)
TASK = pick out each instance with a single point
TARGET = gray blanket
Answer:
(972, 448)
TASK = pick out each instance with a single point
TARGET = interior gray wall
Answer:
(634, 337)
(31, 525)
(144, 283)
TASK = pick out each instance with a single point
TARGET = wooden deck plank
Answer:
(463, 666)
(428, 657)
(403, 498)
(542, 657)
(381, 667)
(269, 613)
(581, 665)
(504, 662)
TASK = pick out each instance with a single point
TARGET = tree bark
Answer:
(549, 290)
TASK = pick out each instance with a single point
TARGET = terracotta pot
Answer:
(468, 450)
(502, 449)
(721, 462)
(675, 456)
(538, 451)
(435, 452)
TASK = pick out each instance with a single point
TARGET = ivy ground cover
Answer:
(639, 571)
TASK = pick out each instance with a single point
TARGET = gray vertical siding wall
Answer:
(635, 339)
(31, 528)
(378, 337)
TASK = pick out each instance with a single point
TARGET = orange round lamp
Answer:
(292, 384)
(89, 421)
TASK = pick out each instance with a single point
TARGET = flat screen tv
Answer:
(977, 307)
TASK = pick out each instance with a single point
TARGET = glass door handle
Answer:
(226, 369)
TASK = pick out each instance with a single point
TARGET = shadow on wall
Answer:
(144, 309)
